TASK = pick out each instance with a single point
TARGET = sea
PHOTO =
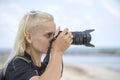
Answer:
(107, 61)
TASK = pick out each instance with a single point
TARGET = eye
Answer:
(49, 35)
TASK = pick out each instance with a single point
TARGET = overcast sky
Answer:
(77, 15)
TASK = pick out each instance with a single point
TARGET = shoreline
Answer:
(89, 72)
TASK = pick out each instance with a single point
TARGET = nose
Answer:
(51, 38)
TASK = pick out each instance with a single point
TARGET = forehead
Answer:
(46, 27)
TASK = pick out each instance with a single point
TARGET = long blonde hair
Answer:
(28, 22)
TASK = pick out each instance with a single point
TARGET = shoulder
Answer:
(20, 69)
(21, 61)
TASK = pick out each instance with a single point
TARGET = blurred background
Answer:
(77, 15)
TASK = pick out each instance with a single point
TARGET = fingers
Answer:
(65, 31)
(69, 37)
(63, 41)
(66, 36)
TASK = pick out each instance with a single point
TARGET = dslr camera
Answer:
(81, 38)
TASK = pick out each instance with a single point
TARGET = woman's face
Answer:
(41, 36)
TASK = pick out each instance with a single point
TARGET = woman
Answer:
(34, 35)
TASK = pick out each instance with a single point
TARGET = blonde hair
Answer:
(28, 22)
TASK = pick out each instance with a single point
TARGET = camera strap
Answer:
(47, 57)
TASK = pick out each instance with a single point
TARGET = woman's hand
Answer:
(62, 42)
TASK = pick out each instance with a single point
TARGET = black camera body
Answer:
(81, 38)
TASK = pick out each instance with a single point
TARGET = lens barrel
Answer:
(81, 37)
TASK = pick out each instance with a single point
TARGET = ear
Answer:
(28, 37)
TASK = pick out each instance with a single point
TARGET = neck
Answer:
(36, 57)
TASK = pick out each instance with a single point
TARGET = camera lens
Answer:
(81, 38)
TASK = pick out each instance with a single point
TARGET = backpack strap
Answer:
(2, 72)
(26, 60)
(23, 58)
(3, 69)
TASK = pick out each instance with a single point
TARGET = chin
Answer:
(44, 52)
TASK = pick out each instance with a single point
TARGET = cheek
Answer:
(41, 44)
(44, 42)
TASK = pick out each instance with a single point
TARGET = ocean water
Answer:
(112, 62)
(107, 61)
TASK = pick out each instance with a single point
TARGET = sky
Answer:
(77, 15)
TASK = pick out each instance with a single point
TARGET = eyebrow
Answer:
(49, 33)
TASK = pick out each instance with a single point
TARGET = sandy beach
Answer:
(89, 72)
